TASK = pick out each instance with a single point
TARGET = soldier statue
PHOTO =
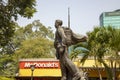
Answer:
(61, 44)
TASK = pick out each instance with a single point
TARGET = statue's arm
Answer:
(55, 41)
(62, 34)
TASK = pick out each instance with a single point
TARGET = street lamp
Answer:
(32, 70)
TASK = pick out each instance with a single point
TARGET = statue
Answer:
(61, 44)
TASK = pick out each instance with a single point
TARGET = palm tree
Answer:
(115, 49)
(81, 50)
(78, 49)
(99, 45)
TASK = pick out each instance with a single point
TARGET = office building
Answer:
(110, 19)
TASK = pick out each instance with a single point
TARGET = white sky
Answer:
(84, 14)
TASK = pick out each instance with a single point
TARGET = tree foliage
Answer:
(35, 48)
(78, 50)
(32, 41)
(7, 65)
(9, 11)
(101, 42)
(35, 41)
(5, 78)
(34, 35)
(31, 31)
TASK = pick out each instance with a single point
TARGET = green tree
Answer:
(9, 11)
(114, 49)
(31, 31)
(101, 42)
(34, 40)
(7, 65)
(27, 42)
(98, 42)
(42, 31)
(79, 49)
(35, 48)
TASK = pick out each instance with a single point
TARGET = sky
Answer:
(84, 14)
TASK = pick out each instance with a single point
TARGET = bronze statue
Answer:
(61, 43)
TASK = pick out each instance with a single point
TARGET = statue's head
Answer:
(58, 23)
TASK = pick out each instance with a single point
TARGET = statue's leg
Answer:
(62, 65)
(74, 71)
(63, 71)
(69, 76)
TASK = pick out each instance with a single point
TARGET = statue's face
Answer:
(56, 24)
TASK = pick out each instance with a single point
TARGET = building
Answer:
(110, 19)
(49, 69)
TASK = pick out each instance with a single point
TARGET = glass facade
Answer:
(110, 19)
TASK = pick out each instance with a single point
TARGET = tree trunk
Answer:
(114, 72)
(100, 76)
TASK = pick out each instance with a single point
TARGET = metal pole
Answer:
(32, 70)
(68, 17)
(32, 75)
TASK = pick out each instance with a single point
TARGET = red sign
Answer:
(39, 64)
